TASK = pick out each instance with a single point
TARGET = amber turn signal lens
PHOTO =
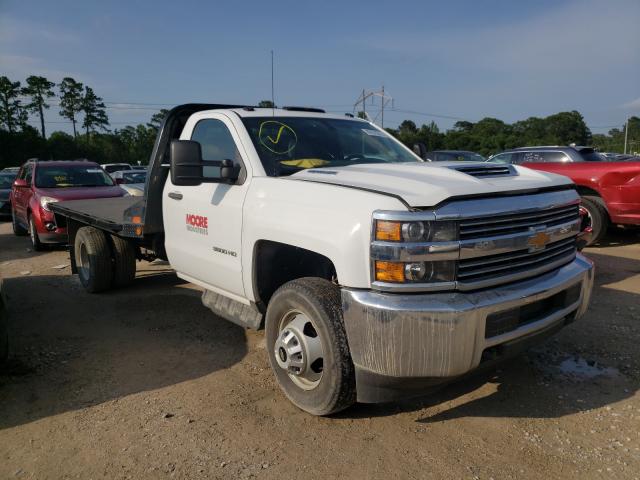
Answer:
(390, 272)
(386, 230)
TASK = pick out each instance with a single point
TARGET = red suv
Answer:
(40, 183)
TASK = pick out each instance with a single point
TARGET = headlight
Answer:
(45, 201)
(414, 232)
(414, 254)
(415, 272)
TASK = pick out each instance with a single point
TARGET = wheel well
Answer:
(582, 190)
(275, 264)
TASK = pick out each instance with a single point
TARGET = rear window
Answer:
(117, 167)
(134, 177)
(590, 155)
(72, 176)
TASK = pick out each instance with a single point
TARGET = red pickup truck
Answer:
(610, 191)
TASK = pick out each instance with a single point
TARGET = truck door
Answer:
(203, 224)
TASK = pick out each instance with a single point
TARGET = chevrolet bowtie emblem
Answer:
(538, 241)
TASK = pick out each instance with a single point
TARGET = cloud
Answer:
(19, 67)
(633, 104)
(15, 32)
(583, 36)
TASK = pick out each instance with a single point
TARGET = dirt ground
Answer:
(147, 383)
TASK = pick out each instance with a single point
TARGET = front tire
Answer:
(18, 229)
(307, 346)
(36, 244)
(597, 217)
(93, 259)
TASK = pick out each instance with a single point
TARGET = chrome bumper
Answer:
(443, 334)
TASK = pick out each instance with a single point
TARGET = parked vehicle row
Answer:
(6, 182)
(610, 191)
(132, 181)
(39, 184)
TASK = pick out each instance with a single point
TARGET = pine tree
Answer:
(39, 89)
(95, 116)
(70, 100)
(12, 113)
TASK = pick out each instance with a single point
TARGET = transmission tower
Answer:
(375, 107)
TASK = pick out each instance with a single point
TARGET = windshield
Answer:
(72, 176)
(134, 177)
(287, 145)
(6, 180)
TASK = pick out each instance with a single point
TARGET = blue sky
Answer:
(463, 59)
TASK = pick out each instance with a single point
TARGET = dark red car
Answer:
(40, 183)
(610, 191)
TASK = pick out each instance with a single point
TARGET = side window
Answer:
(29, 174)
(216, 143)
(555, 157)
(532, 157)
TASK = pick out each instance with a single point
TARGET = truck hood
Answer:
(427, 184)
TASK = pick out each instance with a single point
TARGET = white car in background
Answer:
(115, 167)
(132, 181)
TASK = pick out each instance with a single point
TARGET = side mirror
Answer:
(420, 149)
(229, 172)
(20, 183)
(186, 163)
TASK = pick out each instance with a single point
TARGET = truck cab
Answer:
(374, 274)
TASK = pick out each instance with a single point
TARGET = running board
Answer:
(247, 316)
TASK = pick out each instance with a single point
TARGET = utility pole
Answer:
(362, 100)
(626, 135)
(382, 109)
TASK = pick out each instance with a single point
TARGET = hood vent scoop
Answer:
(487, 170)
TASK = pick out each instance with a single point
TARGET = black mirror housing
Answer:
(186, 162)
(229, 172)
(420, 149)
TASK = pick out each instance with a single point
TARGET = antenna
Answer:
(273, 99)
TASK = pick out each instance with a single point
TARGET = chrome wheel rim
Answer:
(298, 350)
(587, 219)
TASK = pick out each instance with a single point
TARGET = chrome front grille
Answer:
(499, 240)
(516, 222)
(475, 272)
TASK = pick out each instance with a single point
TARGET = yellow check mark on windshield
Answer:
(277, 136)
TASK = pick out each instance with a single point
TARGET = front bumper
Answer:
(415, 340)
(5, 207)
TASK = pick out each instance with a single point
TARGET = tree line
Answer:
(74, 99)
(490, 135)
(80, 105)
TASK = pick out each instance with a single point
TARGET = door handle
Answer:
(175, 195)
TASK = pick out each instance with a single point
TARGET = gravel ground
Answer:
(147, 383)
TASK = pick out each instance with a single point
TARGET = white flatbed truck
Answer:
(374, 274)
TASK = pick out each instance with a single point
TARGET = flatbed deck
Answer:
(105, 213)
